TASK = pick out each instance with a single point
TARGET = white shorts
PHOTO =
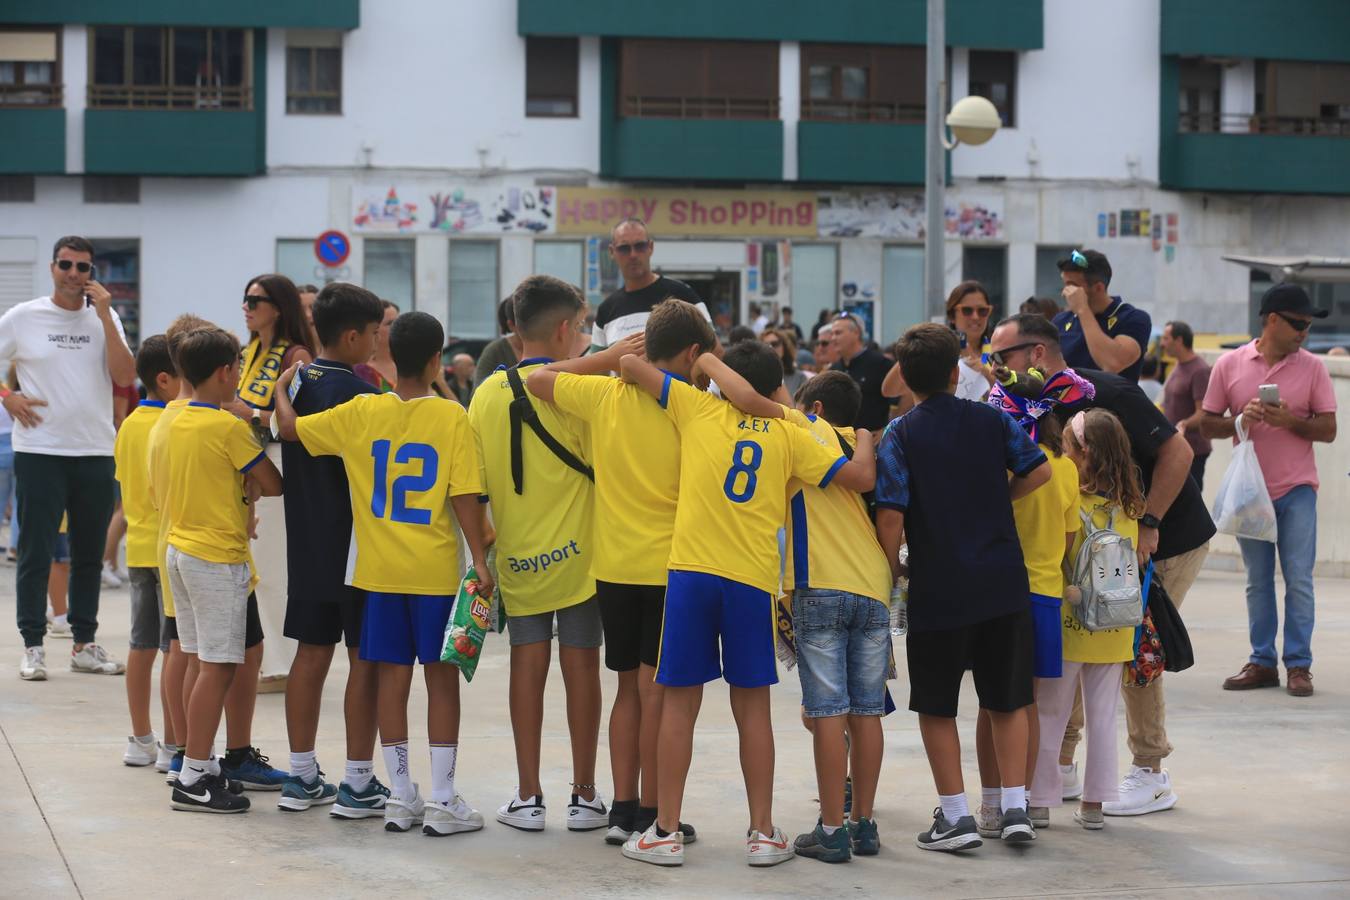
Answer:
(211, 605)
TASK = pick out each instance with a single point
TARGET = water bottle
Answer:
(900, 600)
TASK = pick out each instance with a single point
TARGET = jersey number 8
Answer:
(742, 466)
(404, 484)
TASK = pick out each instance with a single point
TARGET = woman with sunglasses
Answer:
(278, 337)
(784, 343)
(968, 314)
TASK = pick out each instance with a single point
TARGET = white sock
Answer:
(991, 797)
(953, 807)
(305, 766)
(213, 762)
(1015, 797)
(59, 620)
(359, 773)
(145, 738)
(396, 761)
(829, 829)
(194, 770)
(1066, 770)
(443, 759)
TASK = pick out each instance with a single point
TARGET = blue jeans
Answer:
(843, 651)
(1296, 518)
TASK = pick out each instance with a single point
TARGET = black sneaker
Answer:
(622, 815)
(863, 835)
(1015, 826)
(646, 817)
(946, 836)
(209, 794)
(830, 848)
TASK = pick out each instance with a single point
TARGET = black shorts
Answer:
(253, 633)
(328, 623)
(1001, 652)
(631, 617)
(168, 632)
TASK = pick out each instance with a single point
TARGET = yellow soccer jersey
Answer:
(1043, 518)
(131, 455)
(157, 460)
(831, 541)
(637, 475)
(544, 541)
(734, 473)
(404, 460)
(208, 512)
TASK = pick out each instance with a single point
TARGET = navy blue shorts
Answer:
(1049, 660)
(702, 609)
(404, 628)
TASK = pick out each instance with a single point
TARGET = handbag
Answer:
(1175, 639)
(1148, 662)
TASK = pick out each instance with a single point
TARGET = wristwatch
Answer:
(1148, 520)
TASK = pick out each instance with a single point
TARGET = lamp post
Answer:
(973, 120)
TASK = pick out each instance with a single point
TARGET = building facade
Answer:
(776, 148)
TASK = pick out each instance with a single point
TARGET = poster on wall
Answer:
(454, 209)
(595, 210)
(901, 216)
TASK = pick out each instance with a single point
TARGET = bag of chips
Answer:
(470, 619)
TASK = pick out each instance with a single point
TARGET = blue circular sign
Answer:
(332, 248)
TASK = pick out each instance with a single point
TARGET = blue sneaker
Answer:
(863, 835)
(364, 804)
(175, 766)
(298, 795)
(251, 769)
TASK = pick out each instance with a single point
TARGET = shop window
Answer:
(118, 261)
(988, 266)
(993, 75)
(313, 72)
(170, 68)
(862, 82)
(902, 299)
(30, 67)
(474, 292)
(1048, 283)
(699, 79)
(551, 76)
(561, 259)
(815, 282)
(390, 269)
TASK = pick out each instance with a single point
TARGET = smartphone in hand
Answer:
(1269, 394)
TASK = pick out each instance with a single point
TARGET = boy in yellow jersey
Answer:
(724, 569)
(542, 510)
(131, 456)
(215, 466)
(413, 471)
(637, 460)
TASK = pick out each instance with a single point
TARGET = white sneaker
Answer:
(440, 819)
(1143, 791)
(989, 821)
(58, 629)
(34, 665)
(402, 813)
(587, 815)
(140, 754)
(763, 850)
(94, 659)
(659, 851)
(163, 757)
(1072, 781)
(109, 576)
(525, 814)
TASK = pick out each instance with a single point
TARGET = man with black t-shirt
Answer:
(1175, 530)
(625, 311)
(866, 365)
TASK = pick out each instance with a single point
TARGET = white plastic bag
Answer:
(1242, 507)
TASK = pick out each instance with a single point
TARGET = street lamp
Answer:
(972, 120)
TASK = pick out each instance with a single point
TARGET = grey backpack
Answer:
(1106, 571)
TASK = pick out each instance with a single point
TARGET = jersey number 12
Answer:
(399, 510)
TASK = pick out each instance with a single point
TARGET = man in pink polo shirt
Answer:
(1283, 434)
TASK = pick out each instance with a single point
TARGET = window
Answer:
(1048, 283)
(993, 75)
(862, 82)
(295, 260)
(30, 68)
(815, 283)
(551, 76)
(699, 79)
(1303, 97)
(18, 189)
(112, 189)
(1199, 86)
(18, 268)
(561, 259)
(313, 72)
(473, 289)
(171, 68)
(119, 270)
(390, 271)
(902, 299)
(988, 266)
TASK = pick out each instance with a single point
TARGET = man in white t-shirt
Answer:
(68, 350)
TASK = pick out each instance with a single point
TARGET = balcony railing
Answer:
(126, 96)
(700, 107)
(861, 111)
(29, 96)
(1240, 123)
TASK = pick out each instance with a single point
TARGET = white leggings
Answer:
(1054, 701)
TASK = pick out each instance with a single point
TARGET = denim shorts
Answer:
(843, 651)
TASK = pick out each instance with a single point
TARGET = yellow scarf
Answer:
(259, 371)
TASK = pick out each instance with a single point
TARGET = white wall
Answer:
(1086, 103)
(427, 84)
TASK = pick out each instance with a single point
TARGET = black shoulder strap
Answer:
(522, 410)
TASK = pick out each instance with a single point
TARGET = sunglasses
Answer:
(774, 344)
(981, 312)
(252, 301)
(83, 268)
(1078, 259)
(1296, 324)
(998, 355)
(635, 247)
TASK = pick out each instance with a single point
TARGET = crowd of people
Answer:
(701, 511)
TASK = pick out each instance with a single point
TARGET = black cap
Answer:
(1096, 267)
(1290, 298)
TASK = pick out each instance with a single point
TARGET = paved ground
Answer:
(1262, 779)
